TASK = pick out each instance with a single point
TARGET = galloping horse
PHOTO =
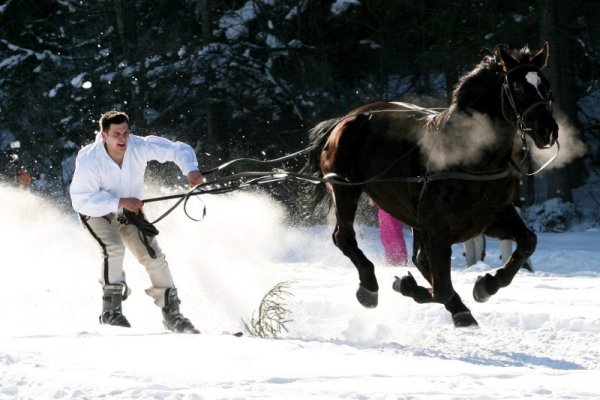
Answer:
(446, 174)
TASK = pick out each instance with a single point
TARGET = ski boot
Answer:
(111, 306)
(173, 320)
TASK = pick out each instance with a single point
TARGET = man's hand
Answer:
(131, 204)
(195, 178)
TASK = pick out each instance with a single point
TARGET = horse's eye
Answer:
(518, 89)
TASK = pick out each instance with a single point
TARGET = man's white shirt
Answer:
(98, 182)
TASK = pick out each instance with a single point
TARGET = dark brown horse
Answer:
(446, 174)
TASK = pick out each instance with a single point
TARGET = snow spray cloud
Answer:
(571, 146)
(461, 140)
(218, 261)
(51, 264)
(35, 231)
(224, 263)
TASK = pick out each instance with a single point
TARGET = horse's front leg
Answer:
(344, 237)
(508, 225)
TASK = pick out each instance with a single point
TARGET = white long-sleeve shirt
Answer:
(98, 182)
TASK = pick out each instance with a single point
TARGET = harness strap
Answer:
(144, 239)
(145, 228)
(463, 176)
(245, 179)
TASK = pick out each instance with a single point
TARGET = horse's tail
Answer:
(318, 136)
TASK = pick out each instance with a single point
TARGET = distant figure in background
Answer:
(506, 250)
(392, 237)
(22, 177)
(474, 250)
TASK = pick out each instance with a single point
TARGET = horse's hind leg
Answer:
(408, 286)
(461, 315)
(508, 225)
(346, 202)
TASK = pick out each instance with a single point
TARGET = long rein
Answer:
(244, 179)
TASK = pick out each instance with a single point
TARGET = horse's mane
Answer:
(468, 91)
(483, 76)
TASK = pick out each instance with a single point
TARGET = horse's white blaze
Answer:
(534, 79)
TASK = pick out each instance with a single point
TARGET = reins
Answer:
(244, 179)
(527, 153)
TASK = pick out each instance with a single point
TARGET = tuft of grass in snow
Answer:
(273, 313)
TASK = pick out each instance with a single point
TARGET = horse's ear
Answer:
(540, 59)
(505, 60)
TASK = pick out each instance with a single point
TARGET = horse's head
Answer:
(526, 94)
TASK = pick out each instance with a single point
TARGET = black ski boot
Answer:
(173, 320)
(111, 306)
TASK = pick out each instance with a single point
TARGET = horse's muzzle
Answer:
(553, 135)
(545, 135)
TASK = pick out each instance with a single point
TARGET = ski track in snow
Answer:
(538, 338)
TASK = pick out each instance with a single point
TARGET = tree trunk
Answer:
(560, 73)
(212, 109)
(125, 17)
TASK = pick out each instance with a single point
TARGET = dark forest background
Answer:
(250, 77)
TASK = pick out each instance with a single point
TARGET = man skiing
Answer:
(106, 190)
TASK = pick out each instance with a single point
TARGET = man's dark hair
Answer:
(112, 117)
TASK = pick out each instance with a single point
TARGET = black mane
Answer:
(483, 78)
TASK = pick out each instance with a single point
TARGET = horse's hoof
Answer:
(405, 285)
(367, 298)
(464, 319)
(481, 292)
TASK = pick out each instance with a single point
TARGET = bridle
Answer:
(507, 94)
(522, 127)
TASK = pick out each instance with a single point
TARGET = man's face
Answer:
(116, 139)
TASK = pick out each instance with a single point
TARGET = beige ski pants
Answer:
(113, 236)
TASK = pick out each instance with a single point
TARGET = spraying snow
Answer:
(538, 338)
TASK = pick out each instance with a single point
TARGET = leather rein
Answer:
(248, 178)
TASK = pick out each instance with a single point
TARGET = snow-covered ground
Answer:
(538, 338)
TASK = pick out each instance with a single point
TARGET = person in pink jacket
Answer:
(392, 237)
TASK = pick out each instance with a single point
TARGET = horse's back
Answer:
(383, 143)
(365, 139)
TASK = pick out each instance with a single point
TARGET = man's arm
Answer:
(87, 197)
(162, 150)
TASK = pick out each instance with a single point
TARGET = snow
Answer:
(235, 23)
(341, 6)
(538, 338)
(78, 80)
(54, 91)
